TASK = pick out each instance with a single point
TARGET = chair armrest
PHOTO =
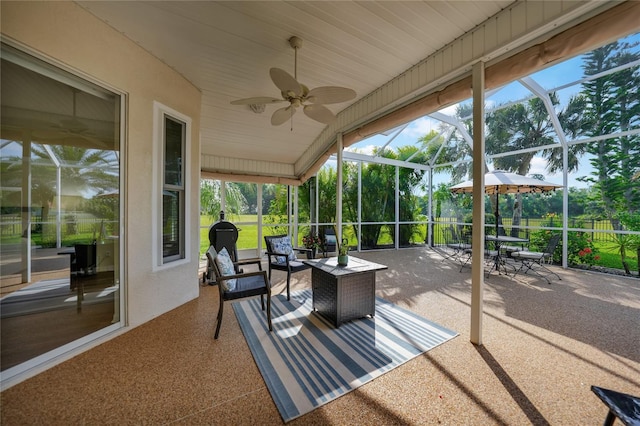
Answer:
(256, 261)
(274, 253)
(245, 275)
(285, 255)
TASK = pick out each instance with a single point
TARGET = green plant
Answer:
(630, 221)
(343, 247)
(580, 247)
(623, 243)
(311, 241)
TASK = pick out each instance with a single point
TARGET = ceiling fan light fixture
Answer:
(297, 94)
(257, 108)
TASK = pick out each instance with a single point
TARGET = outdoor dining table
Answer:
(499, 241)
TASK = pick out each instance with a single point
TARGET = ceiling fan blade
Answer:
(282, 115)
(330, 95)
(319, 113)
(285, 82)
(258, 100)
(52, 133)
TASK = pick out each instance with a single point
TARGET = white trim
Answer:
(159, 111)
(34, 366)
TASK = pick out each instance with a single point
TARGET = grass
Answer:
(609, 258)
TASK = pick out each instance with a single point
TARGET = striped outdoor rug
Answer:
(306, 363)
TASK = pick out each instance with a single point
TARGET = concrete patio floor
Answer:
(544, 346)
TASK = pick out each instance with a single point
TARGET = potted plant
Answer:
(311, 242)
(343, 252)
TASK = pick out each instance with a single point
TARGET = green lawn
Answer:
(248, 235)
(609, 258)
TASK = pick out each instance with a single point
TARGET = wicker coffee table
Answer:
(343, 293)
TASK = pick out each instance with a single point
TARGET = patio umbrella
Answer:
(500, 182)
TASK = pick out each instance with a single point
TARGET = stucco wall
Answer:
(67, 33)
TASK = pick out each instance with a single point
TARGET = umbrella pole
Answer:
(497, 212)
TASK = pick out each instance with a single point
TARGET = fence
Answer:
(601, 229)
(72, 228)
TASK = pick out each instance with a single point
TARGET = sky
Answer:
(554, 77)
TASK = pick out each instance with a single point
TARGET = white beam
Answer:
(477, 258)
(339, 190)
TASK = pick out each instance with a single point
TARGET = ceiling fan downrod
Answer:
(296, 43)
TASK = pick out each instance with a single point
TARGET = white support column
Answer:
(339, 190)
(259, 208)
(58, 206)
(294, 205)
(223, 198)
(26, 209)
(289, 207)
(565, 205)
(317, 198)
(477, 260)
(430, 240)
(397, 209)
(359, 205)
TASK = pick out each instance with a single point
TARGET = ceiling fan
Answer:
(298, 95)
(68, 128)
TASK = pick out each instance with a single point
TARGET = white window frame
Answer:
(161, 111)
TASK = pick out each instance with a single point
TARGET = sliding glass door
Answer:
(59, 209)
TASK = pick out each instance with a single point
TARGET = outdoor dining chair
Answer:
(282, 257)
(460, 248)
(233, 286)
(535, 261)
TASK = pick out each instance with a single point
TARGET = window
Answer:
(173, 191)
(173, 130)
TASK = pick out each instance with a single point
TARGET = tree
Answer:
(327, 179)
(210, 202)
(278, 209)
(528, 125)
(250, 193)
(613, 105)
(86, 171)
(378, 195)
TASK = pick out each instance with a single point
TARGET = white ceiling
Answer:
(227, 48)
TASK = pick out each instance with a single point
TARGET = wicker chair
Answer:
(246, 285)
(282, 258)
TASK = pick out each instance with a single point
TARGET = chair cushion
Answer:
(246, 287)
(294, 266)
(283, 245)
(529, 255)
(330, 239)
(225, 264)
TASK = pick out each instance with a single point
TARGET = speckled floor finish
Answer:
(544, 346)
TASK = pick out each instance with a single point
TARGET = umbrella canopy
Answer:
(501, 182)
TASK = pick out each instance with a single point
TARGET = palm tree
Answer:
(210, 202)
(528, 125)
(85, 170)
